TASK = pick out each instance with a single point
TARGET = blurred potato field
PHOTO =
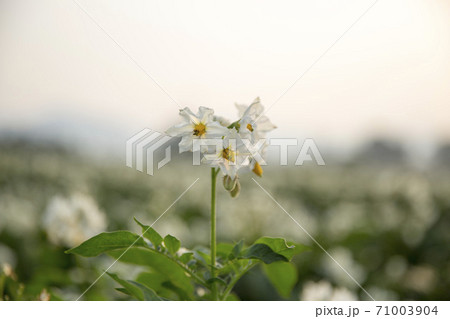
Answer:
(385, 221)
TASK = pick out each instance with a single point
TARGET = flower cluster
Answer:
(229, 146)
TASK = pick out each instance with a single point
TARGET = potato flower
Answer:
(252, 123)
(254, 126)
(232, 156)
(231, 140)
(200, 125)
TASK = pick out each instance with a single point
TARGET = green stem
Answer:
(213, 230)
(235, 280)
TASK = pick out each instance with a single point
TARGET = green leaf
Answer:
(124, 291)
(232, 267)
(263, 253)
(186, 257)
(235, 253)
(130, 289)
(159, 262)
(106, 242)
(135, 289)
(149, 294)
(172, 244)
(159, 282)
(150, 234)
(203, 257)
(224, 249)
(283, 277)
(163, 286)
(182, 295)
(280, 246)
(152, 280)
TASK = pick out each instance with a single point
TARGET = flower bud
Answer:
(257, 169)
(237, 188)
(229, 183)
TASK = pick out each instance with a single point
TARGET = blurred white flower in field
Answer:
(8, 270)
(7, 256)
(324, 291)
(396, 267)
(316, 291)
(200, 125)
(70, 221)
(343, 294)
(345, 258)
(421, 278)
(380, 294)
(200, 291)
(17, 215)
(258, 214)
(343, 218)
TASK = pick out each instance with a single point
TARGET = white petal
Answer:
(205, 114)
(214, 160)
(242, 160)
(265, 125)
(232, 171)
(186, 144)
(215, 129)
(241, 109)
(190, 117)
(227, 169)
(180, 129)
(255, 109)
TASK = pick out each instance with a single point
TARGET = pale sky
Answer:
(389, 75)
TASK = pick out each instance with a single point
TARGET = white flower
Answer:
(200, 125)
(253, 124)
(7, 256)
(70, 221)
(231, 156)
(324, 291)
(240, 144)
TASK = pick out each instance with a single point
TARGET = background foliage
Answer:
(385, 221)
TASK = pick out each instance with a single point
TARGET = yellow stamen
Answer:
(199, 129)
(229, 155)
(258, 169)
(250, 127)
